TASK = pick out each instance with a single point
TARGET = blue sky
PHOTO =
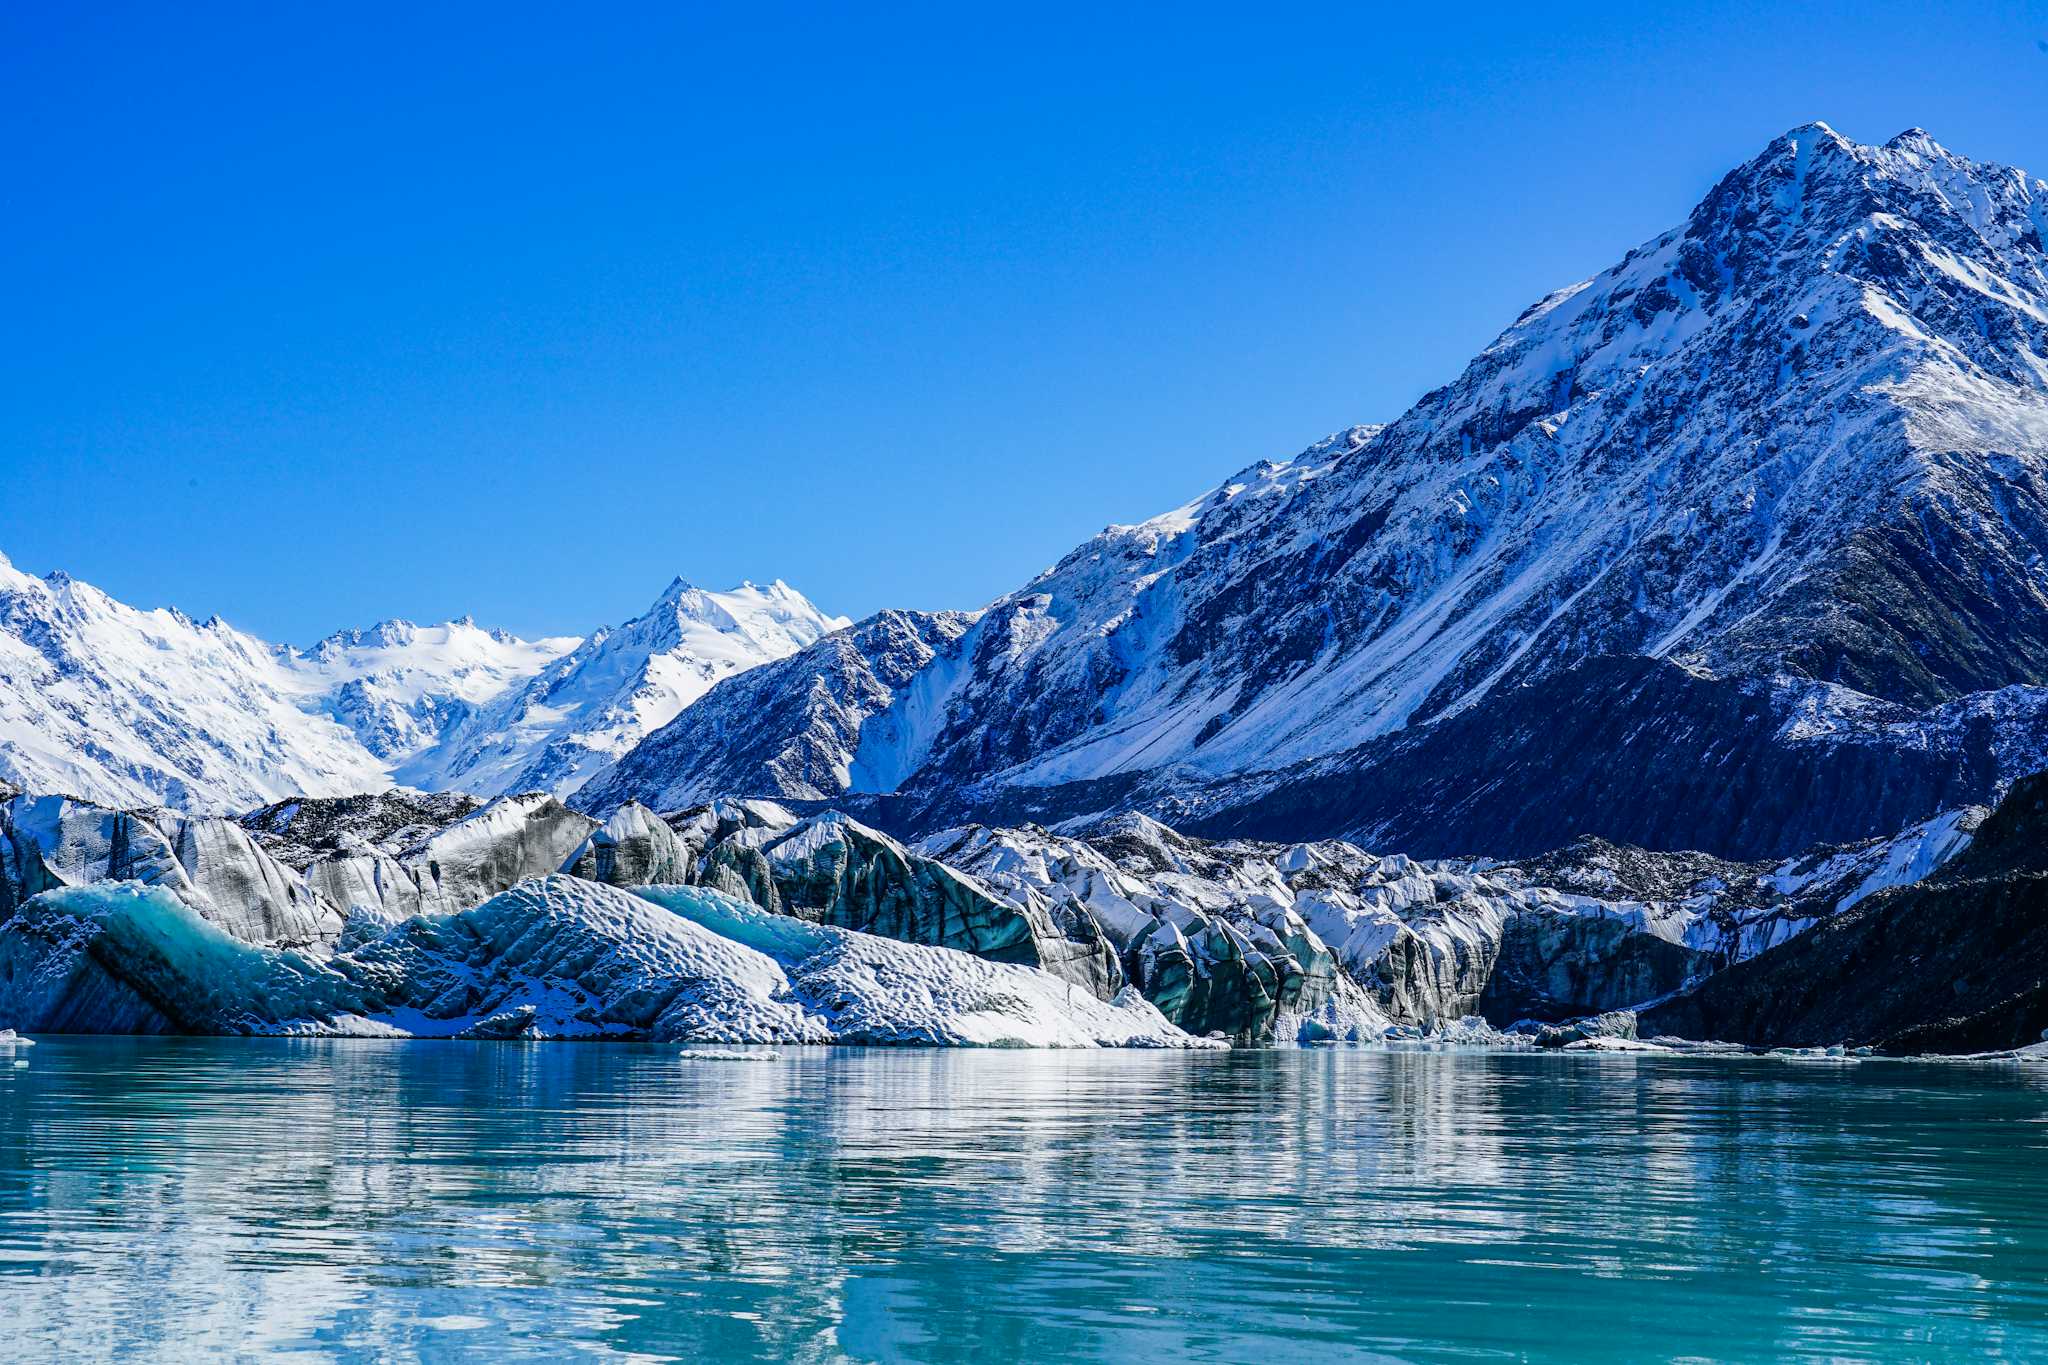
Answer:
(519, 312)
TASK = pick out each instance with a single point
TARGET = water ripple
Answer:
(422, 1201)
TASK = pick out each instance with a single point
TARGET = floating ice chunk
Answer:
(1607, 1044)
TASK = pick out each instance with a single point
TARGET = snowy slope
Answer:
(136, 707)
(400, 686)
(585, 709)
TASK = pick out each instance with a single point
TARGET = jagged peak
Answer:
(12, 577)
(397, 631)
(1815, 131)
(723, 610)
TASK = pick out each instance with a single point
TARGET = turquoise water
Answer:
(211, 1199)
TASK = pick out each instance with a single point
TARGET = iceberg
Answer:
(555, 957)
(881, 991)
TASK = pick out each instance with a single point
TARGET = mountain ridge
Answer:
(1803, 436)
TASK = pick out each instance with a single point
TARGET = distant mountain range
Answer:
(134, 708)
(1736, 546)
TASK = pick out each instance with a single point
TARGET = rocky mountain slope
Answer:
(1957, 962)
(793, 729)
(132, 707)
(1764, 500)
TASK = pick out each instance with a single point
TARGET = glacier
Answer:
(743, 921)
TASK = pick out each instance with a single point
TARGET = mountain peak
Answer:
(1812, 130)
(10, 576)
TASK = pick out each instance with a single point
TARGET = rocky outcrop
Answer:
(305, 829)
(1614, 1025)
(1955, 963)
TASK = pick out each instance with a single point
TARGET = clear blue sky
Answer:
(520, 311)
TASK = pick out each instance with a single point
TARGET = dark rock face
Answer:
(1552, 967)
(784, 729)
(1926, 606)
(1958, 963)
(304, 829)
(1638, 751)
(1616, 1024)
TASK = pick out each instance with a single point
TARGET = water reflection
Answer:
(429, 1201)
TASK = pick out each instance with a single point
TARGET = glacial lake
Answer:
(219, 1199)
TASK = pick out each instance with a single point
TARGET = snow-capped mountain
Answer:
(134, 708)
(792, 728)
(585, 709)
(400, 687)
(1791, 456)
(143, 707)
(1738, 545)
